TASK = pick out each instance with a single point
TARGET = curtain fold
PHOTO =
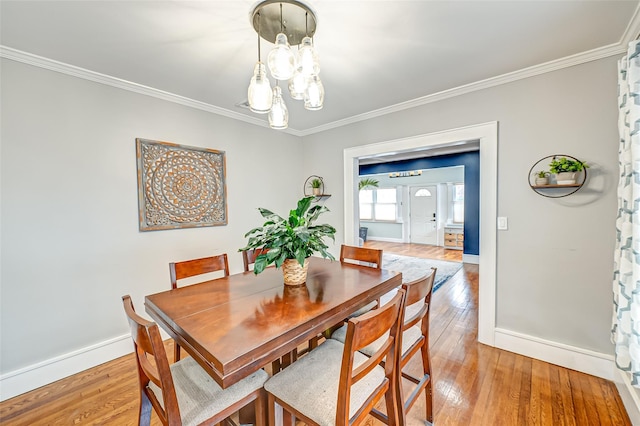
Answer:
(626, 280)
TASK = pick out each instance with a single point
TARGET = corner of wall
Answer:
(630, 396)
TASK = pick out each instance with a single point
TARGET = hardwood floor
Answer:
(417, 250)
(473, 384)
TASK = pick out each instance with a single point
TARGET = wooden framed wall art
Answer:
(180, 186)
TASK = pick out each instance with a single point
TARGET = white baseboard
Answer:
(586, 361)
(471, 258)
(34, 376)
(630, 396)
(388, 240)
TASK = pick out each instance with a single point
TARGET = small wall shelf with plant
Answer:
(557, 175)
(314, 187)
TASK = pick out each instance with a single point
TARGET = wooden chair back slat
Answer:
(249, 257)
(191, 268)
(361, 254)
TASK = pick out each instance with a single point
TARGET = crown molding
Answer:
(61, 67)
(569, 61)
(631, 32)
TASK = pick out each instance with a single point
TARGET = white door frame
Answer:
(487, 133)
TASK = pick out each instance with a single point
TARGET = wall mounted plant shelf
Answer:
(555, 185)
(314, 186)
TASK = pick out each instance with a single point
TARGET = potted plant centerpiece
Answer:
(291, 241)
(566, 169)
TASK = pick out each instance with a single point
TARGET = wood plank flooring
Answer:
(473, 384)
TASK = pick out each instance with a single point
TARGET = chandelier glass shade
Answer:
(285, 23)
(282, 61)
(314, 94)
(278, 115)
(259, 92)
(308, 58)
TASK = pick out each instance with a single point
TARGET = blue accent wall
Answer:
(471, 163)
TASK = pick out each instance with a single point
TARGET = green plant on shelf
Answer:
(564, 164)
(316, 183)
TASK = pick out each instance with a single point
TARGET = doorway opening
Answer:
(487, 135)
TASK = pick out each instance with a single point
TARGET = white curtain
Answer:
(626, 280)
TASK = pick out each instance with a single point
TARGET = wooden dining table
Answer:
(235, 325)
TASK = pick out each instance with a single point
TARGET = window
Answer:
(379, 204)
(458, 203)
(366, 204)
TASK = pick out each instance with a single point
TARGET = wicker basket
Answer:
(294, 274)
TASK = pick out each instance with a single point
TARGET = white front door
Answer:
(423, 220)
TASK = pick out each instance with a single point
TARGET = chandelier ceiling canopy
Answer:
(299, 21)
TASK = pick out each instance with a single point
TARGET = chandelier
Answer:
(285, 23)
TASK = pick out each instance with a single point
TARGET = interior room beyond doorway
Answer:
(412, 220)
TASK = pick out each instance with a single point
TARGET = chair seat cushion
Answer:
(409, 337)
(310, 384)
(199, 396)
(364, 309)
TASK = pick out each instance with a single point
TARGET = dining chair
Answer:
(183, 393)
(362, 256)
(249, 257)
(413, 338)
(334, 384)
(352, 254)
(191, 268)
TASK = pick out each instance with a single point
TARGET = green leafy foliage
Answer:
(315, 183)
(541, 174)
(296, 237)
(563, 164)
(367, 183)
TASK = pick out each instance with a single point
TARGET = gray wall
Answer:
(70, 241)
(554, 264)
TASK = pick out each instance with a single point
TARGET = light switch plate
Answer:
(503, 223)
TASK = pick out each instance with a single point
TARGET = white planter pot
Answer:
(542, 181)
(566, 178)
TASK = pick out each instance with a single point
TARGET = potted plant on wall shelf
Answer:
(291, 241)
(542, 177)
(566, 169)
(316, 186)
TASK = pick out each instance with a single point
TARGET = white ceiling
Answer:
(376, 56)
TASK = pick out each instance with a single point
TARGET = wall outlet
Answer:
(503, 223)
